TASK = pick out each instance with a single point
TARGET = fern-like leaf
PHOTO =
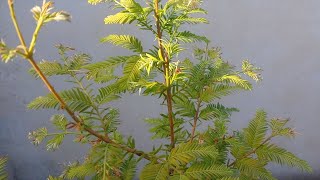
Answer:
(283, 157)
(59, 121)
(212, 111)
(128, 169)
(80, 171)
(190, 20)
(49, 69)
(155, 172)
(235, 79)
(254, 169)
(75, 99)
(55, 142)
(256, 131)
(189, 37)
(105, 68)
(187, 152)
(131, 73)
(126, 41)
(131, 6)
(107, 94)
(120, 18)
(184, 106)
(44, 102)
(204, 171)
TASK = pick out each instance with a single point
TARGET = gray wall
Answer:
(282, 37)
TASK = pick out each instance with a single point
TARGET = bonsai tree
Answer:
(196, 140)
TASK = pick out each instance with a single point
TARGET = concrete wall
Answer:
(282, 37)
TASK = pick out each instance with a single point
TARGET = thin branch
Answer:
(252, 151)
(196, 117)
(35, 35)
(15, 23)
(63, 105)
(166, 73)
(93, 104)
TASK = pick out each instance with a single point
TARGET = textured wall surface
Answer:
(282, 37)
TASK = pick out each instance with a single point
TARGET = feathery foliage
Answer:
(190, 88)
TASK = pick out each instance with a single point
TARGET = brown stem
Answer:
(76, 119)
(63, 105)
(196, 117)
(166, 72)
(253, 151)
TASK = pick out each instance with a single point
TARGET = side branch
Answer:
(29, 57)
(195, 120)
(252, 151)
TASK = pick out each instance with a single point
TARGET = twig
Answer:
(253, 151)
(29, 57)
(196, 117)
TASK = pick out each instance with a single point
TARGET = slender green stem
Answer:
(93, 103)
(196, 117)
(65, 133)
(35, 35)
(16, 26)
(166, 70)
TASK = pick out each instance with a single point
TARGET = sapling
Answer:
(196, 141)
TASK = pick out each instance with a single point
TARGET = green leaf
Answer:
(235, 79)
(49, 69)
(55, 142)
(128, 169)
(204, 171)
(80, 171)
(184, 106)
(46, 15)
(44, 102)
(212, 111)
(126, 41)
(107, 94)
(120, 18)
(254, 169)
(191, 20)
(160, 127)
(184, 153)
(278, 127)
(189, 37)
(59, 121)
(155, 172)
(76, 100)
(281, 156)
(251, 71)
(131, 6)
(105, 68)
(256, 131)
(131, 73)
(38, 135)
(6, 53)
